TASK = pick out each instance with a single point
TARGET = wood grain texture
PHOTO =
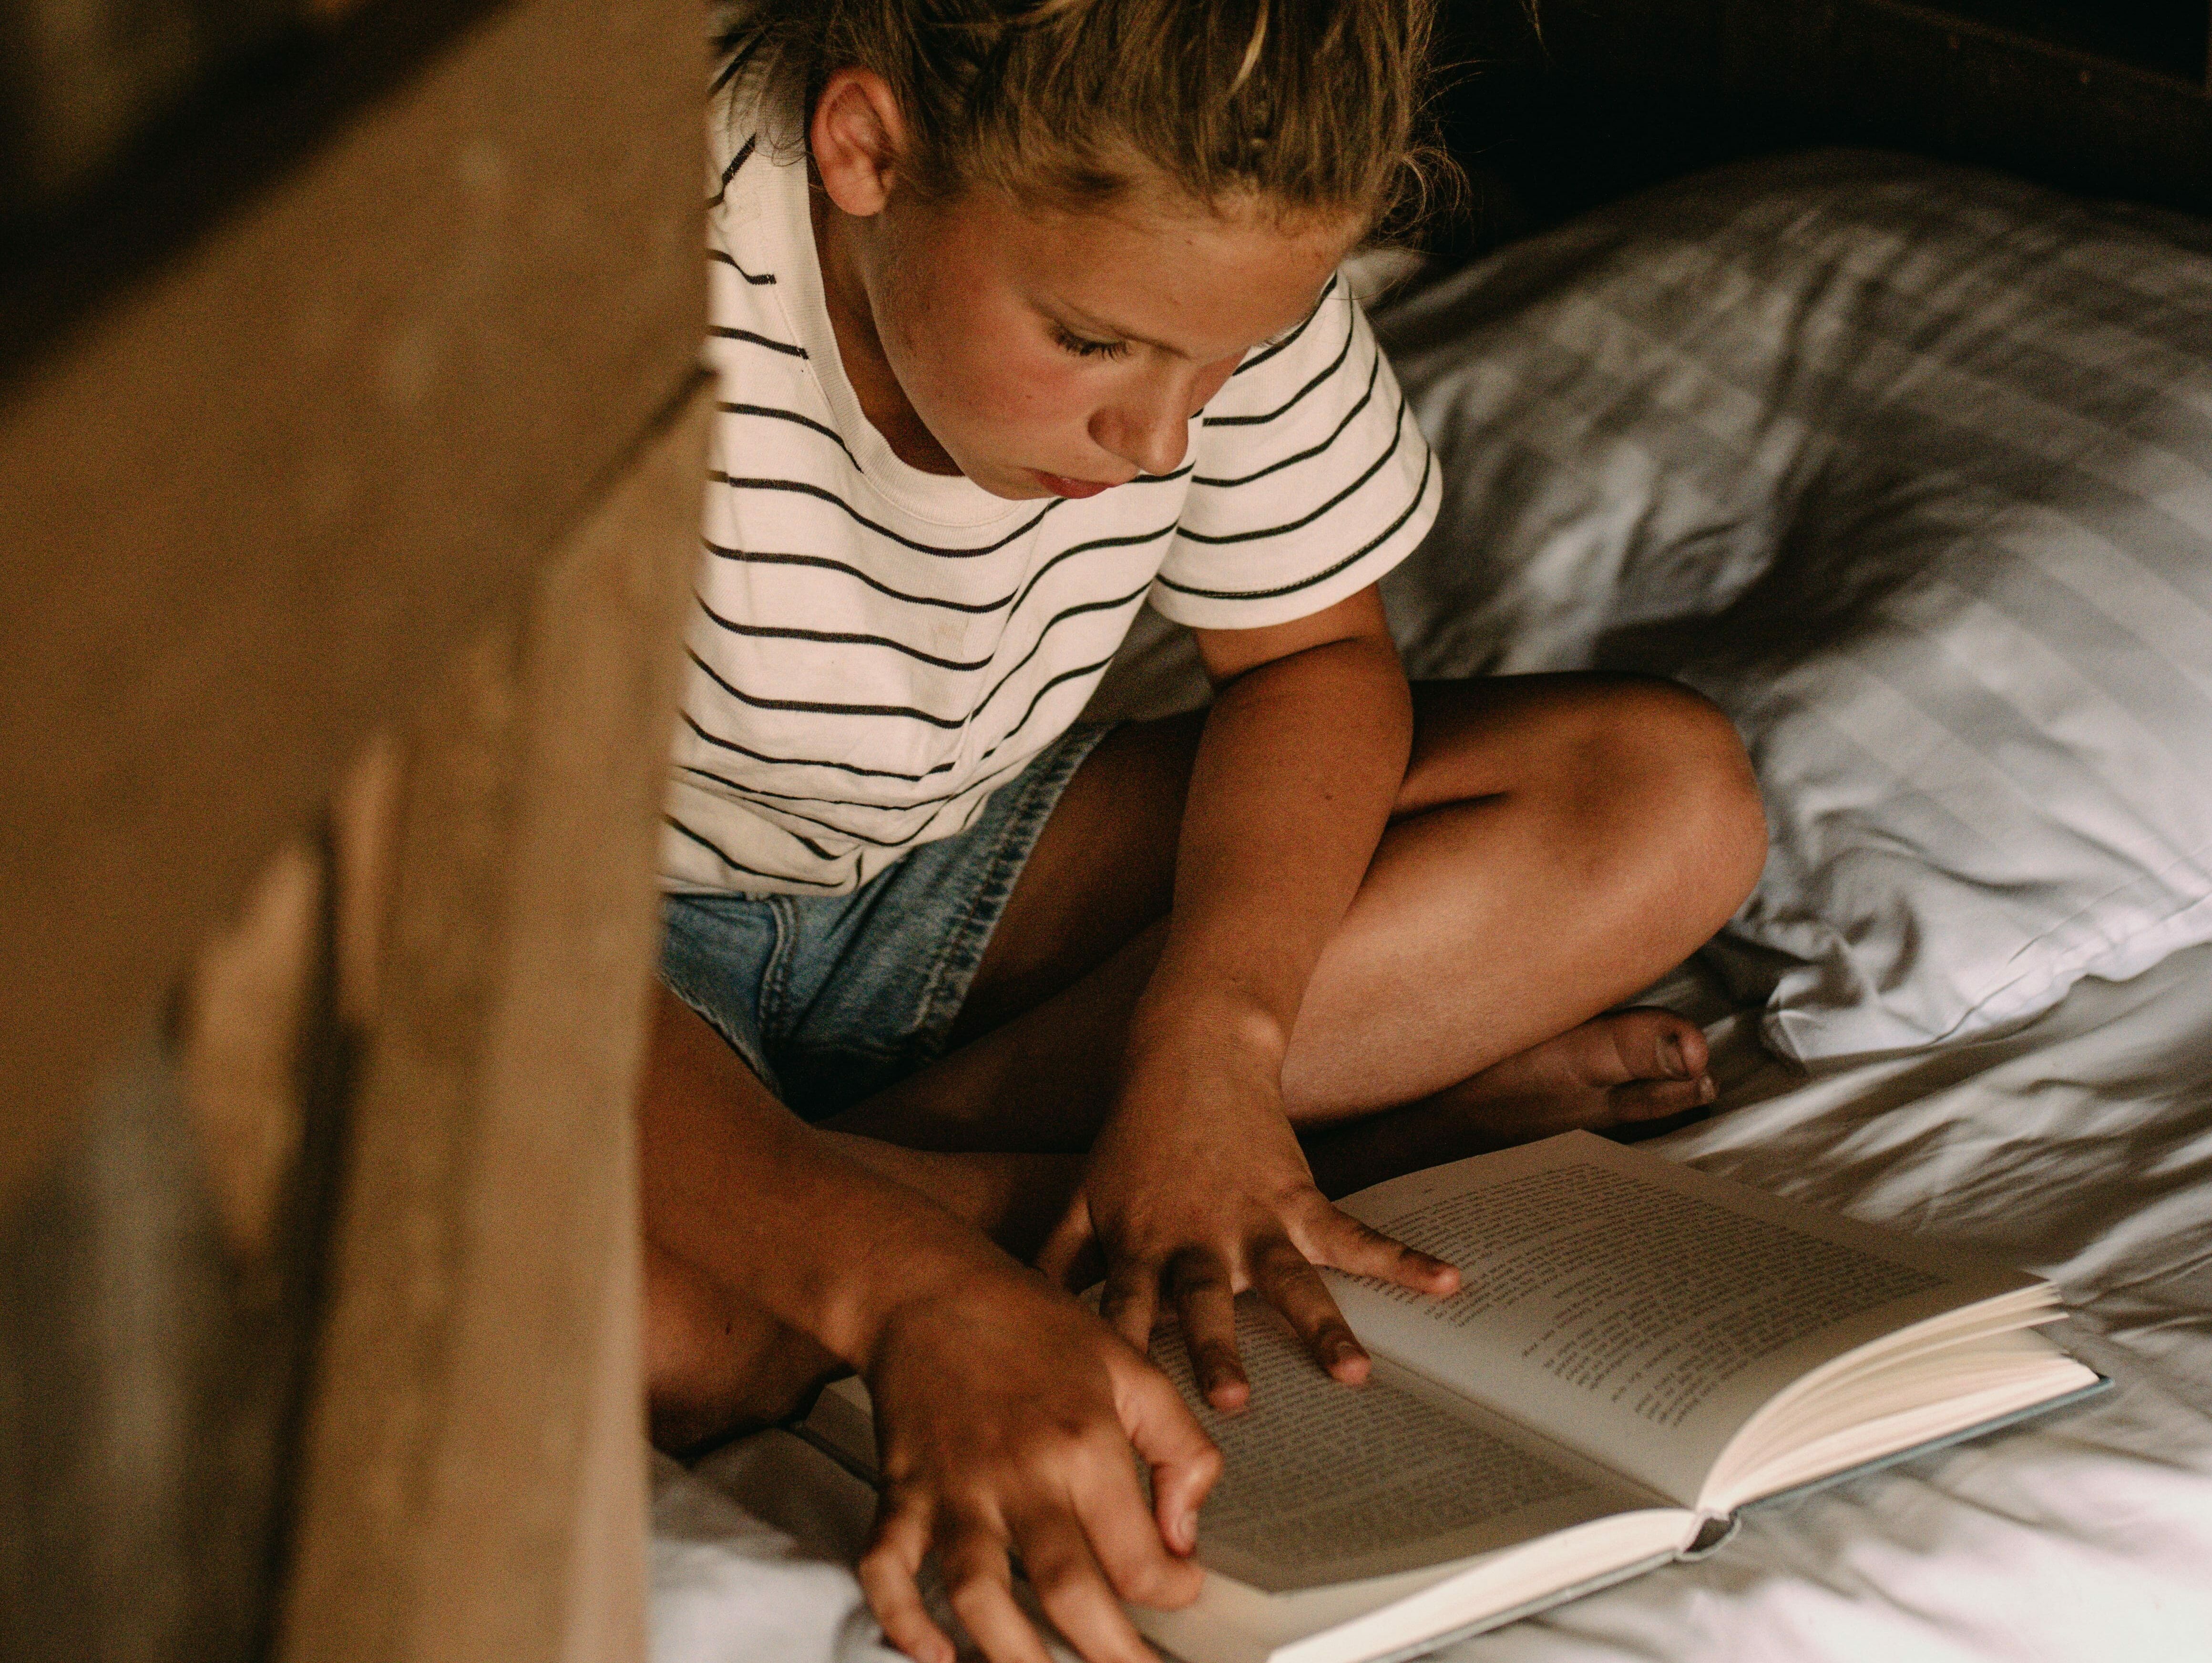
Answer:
(261, 498)
(473, 1485)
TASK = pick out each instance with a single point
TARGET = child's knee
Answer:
(1680, 756)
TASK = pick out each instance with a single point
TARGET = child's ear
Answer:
(857, 135)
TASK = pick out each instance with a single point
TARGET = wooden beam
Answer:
(258, 500)
(473, 1472)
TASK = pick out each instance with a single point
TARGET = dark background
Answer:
(124, 125)
(2107, 97)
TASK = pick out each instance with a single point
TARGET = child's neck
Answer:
(860, 349)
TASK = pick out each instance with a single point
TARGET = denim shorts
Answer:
(830, 998)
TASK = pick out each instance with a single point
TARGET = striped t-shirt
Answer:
(873, 649)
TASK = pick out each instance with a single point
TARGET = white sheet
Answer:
(2079, 1147)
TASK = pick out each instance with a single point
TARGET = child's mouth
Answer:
(1063, 487)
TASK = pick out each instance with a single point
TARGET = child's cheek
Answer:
(1033, 390)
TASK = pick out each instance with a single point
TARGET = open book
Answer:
(1637, 1351)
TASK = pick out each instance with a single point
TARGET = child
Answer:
(1026, 313)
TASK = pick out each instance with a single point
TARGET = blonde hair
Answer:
(1308, 106)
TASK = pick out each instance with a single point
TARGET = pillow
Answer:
(1908, 467)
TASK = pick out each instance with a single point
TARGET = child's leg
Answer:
(1560, 842)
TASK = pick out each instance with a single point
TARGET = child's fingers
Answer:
(887, 1571)
(1057, 1559)
(1343, 1243)
(1184, 1461)
(978, 1580)
(1129, 1303)
(1123, 1539)
(1206, 1301)
(1066, 1242)
(1290, 1283)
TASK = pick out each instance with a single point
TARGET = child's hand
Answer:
(1004, 1415)
(1195, 1190)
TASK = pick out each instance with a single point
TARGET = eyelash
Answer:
(1084, 348)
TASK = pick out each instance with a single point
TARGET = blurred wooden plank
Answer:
(144, 1378)
(248, 1005)
(157, 1289)
(473, 1486)
(261, 498)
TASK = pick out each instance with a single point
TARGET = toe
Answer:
(1655, 1099)
(1657, 1045)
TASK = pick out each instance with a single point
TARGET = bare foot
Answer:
(1640, 1064)
(1633, 1065)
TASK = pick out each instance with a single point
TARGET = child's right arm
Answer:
(1004, 1411)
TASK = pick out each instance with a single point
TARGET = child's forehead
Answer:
(1209, 272)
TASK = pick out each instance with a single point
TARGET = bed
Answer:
(1910, 467)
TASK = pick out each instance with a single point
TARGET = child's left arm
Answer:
(1196, 1187)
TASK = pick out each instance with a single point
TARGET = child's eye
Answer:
(1084, 348)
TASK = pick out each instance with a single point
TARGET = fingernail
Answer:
(1706, 1090)
(1670, 1053)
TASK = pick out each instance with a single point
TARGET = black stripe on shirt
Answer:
(1013, 598)
(750, 277)
(755, 800)
(743, 154)
(1351, 329)
(1374, 374)
(724, 332)
(838, 639)
(1397, 437)
(1132, 540)
(773, 413)
(750, 792)
(1065, 675)
(816, 707)
(1351, 559)
(935, 802)
(740, 43)
(1274, 347)
(809, 845)
(722, 744)
(1057, 618)
(827, 565)
(803, 488)
(751, 871)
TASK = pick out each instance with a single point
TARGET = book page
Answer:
(1324, 1483)
(1633, 1309)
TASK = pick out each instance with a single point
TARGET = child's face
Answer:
(1056, 353)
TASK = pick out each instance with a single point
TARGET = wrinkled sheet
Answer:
(2079, 1147)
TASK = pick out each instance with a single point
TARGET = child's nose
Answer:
(1152, 429)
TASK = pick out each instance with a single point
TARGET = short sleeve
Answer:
(1310, 479)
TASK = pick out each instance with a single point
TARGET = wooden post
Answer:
(473, 1479)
